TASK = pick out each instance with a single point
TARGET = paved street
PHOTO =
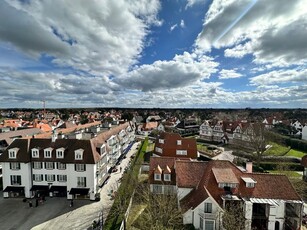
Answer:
(55, 213)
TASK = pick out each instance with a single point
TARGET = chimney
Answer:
(249, 166)
(54, 135)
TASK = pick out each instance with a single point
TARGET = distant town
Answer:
(104, 168)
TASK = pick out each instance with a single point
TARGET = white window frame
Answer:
(37, 165)
(80, 167)
(181, 152)
(14, 165)
(61, 166)
(207, 207)
(167, 177)
(250, 185)
(62, 178)
(12, 154)
(159, 150)
(35, 153)
(50, 177)
(14, 179)
(157, 189)
(161, 141)
(79, 154)
(37, 177)
(48, 153)
(81, 182)
(48, 164)
(158, 176)
(207, 221)
(179, 142)
(60, 153)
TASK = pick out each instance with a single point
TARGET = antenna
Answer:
(44, 106)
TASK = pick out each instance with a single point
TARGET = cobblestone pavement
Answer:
(55, 213)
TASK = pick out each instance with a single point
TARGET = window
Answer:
(35, 153)
(167, 177)
(201, 223)
(12, 154)
(60, 153)
(208, 208)
(81, 181)
(168, 189)
(15, 180)
(230, 185)
(209, 224)
(157, 188)
(157, 176)
(79, 154)
(47, 153)
(181, 152)
(37, 165)
(14, 165)
(161, 141)
(179, 142)
(80, 167)
(62, 178)
(61, 166)
(38, 177)
(49, 177)
(250, 185)
(49, 165)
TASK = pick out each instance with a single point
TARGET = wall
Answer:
(182, 192)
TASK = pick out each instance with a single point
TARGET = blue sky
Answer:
(151, 53)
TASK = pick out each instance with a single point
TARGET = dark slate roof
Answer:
(22, 153)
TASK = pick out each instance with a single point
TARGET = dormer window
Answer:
(35, 153)
(167, 177)
(48, 153)
(179, 142)
(158, 150)
(161, 141)
(60, 153)
(157, 176)
(79, 154)
(13, 153)
(249, 182)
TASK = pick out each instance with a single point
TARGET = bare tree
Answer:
(161, 210)
(233, 217)
(257, 135)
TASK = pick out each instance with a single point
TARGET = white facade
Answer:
(304, 133)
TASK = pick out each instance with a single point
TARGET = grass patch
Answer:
(295, 153)
(287, 173)
(135, 212)
(201, 147)
(276, 150)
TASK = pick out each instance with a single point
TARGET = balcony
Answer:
(211, 216)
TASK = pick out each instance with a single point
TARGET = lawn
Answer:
(276, 149)
(295, 153)
(201, 147)
(287, 173)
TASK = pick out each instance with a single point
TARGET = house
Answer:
(173, 145)
(206, 189)
(63, 167)
(147, 128)
(187, 127)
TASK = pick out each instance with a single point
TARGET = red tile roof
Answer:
(164, 163)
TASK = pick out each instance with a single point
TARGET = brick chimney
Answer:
(249, 166)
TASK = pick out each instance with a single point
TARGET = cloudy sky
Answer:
(150, 53)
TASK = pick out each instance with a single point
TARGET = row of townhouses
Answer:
(73, 168)
(225, 131)
(205, 189)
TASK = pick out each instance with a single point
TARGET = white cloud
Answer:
(181, 71)
(191, 3)
(101, 37)
(257, 27)
(280, 77)
(173, 27)
(229, 73)
(182, 25)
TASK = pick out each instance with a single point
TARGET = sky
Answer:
(151, 53)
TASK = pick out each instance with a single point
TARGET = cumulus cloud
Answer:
(229, 73)
(257, 27)
(173, 27)
(182, 24)
(182, 70)
(191, 3)
(99, 37)
(280, 77)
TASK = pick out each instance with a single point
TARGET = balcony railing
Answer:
(206, 215)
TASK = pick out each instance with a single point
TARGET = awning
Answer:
(14, 189)
(79, 191)
(39, 188)
(58, 188)
(273, 202)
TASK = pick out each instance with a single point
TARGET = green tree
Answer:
(233, 216)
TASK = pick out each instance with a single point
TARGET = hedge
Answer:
(275, 165)
(125, 190)
(288, 141)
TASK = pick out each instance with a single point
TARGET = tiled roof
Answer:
(22, 153)
(189, 173)
(163, 163)
(224, 175)
(9, 136)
